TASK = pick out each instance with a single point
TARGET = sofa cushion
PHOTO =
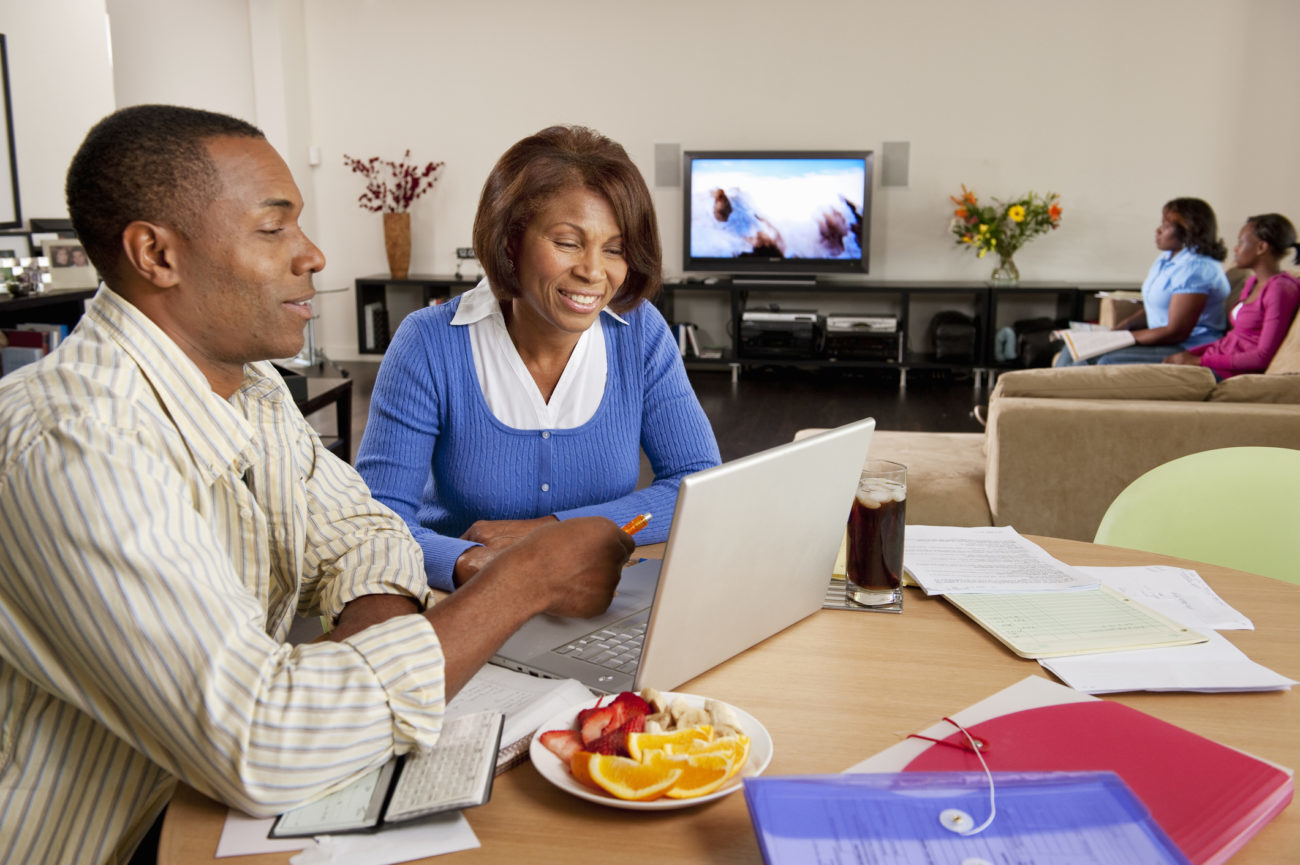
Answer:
(1277, 389)
(1287, 359)
(1133, 381)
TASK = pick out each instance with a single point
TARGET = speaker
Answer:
(894, 156)
(668, 165)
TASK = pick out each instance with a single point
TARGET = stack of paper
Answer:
(1101, 630)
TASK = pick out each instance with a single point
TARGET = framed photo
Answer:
(15, 246)
(69, 265)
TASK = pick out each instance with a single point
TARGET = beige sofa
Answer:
(1062, 443)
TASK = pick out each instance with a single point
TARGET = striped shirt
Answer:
(156, 541)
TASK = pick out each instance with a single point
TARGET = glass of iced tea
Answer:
(874, 567)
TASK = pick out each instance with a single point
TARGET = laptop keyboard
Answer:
(615, 647)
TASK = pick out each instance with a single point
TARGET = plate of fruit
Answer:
(651, 751)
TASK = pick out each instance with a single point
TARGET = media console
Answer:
(866, 324)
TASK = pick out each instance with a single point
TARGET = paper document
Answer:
(946, 559)
(870, 819)
(1211, 667)
(1049, 624)
(1178, 593)
(1085, 344)
(527, 702)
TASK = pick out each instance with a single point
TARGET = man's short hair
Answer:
(553, 161)
(146, 162)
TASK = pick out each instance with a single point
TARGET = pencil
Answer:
(637, 523)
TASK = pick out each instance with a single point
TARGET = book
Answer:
(1209, 798)
(1085, 344)
(526, 701)
(935, 817)
(456, 773)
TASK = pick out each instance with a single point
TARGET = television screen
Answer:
(792, 212)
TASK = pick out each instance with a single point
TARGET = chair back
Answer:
(1235, 507)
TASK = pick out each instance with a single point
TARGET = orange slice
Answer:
(629, 779)
(736, 748)
(701, 774)
(578, 767)
(639, 743)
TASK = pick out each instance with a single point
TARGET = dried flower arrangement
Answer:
(391, 187)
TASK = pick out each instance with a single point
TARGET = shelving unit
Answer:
(913, 302)
(382, 303)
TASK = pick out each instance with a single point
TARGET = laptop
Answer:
(750, 550)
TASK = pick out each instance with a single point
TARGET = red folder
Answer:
(1209, 798)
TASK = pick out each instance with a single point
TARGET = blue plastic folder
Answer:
(1062, 818)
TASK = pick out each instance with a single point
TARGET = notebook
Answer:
(751, 543)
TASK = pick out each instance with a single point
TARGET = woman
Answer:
(1268, 304)
(1183, 295)
(530, 397)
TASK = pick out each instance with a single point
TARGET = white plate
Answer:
(760, 754)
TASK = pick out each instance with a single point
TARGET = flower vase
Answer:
(397, 244)
(1006, 273)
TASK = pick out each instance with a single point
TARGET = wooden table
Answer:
(814, 690)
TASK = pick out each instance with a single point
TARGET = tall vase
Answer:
(1006, 273)
(397, 244)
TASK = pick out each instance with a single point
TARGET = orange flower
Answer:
(967, 197)
(1054, 212)
(960, 212)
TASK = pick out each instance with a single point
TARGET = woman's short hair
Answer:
(1196, 227)
(1277, 231)
(554, 160)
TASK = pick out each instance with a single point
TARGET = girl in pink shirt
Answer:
(1268, 302)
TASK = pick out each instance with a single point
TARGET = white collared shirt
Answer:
(508, 387)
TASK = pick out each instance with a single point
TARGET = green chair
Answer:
(1235, 507)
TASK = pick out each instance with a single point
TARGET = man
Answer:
(165, 510)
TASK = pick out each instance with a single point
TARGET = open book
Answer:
(1085, 344)
(527, 701)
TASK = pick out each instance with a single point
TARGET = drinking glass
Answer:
(874, 567)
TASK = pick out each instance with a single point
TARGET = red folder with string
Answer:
(1209, 798)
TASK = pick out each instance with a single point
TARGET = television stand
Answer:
(775, 281)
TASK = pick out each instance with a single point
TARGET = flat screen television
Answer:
(793, 213)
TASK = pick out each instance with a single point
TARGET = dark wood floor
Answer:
(767, 406)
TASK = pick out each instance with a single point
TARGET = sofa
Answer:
(1060, 444)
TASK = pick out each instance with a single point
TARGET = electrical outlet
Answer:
(464, 252)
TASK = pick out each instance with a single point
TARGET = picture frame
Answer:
(15, 246)
(69, 265)
(11, 213)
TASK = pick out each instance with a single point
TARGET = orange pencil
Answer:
(637, 523)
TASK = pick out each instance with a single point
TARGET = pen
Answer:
(637, 523)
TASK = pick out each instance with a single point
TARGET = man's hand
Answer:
(568, 568)
(573, 566)
(494, 536)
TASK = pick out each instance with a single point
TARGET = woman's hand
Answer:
(1186, 358)
(495, 536)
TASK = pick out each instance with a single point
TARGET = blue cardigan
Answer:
(435, 453)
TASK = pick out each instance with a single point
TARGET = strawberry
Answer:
(613, 742)
(584, 713)
(562, 743)
(600, 722)
(635, 705)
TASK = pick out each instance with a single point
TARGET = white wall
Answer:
(1116, 105)
(183, 52)
(61, 83)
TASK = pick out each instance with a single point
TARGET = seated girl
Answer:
(1268, 304)
(530, 397)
